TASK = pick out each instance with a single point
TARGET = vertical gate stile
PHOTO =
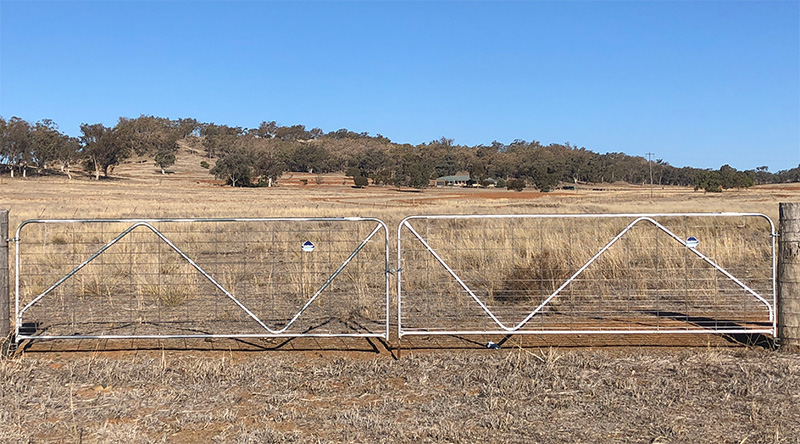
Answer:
(5, 297)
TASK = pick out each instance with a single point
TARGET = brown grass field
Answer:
(552, 390)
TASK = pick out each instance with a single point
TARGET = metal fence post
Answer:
(789, 275)
(5, 314)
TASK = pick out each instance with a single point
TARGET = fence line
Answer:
(456, 274)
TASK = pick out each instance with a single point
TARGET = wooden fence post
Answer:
(789, 275)
(5, 294)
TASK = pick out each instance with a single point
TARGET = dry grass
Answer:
(647, 395)
(140, 191)
(516, 395)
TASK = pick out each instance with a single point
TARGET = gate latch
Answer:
(12, 239)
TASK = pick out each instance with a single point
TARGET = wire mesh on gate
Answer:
(167, 278)
(625, 273)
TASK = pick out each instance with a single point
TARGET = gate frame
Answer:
(637, 217)
(146, 222)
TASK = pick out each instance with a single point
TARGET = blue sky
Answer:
(697, 83)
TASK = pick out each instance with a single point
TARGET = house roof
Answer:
(456, 178)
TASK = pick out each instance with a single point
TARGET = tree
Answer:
(309, 157)
(164, 158)
(187, 127)
(763, 175)
(147, 135)
(266, 130)
(371, 160)
(269, 164)
(293, 133)
(236, 167)
(709, 180)
(478, 172)
(45, 139)
(515, 184)
(414, 171)
(18, 143)
(3, 127)
(102, 148)
(783, 176)
(220, 139)
(360, 181)
(382, 177)
(67, 153)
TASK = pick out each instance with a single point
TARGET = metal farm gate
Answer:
(460, 274)
(182, 278)
(585, 274)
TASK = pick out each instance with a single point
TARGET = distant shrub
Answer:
(501, 183)
(515, 184)
(205, 164)
(352, 172)
(360, 181)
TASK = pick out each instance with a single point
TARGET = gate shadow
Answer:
(367, 345)
(748, 339)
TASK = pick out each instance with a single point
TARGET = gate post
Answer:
(5, 295)
(789, 275)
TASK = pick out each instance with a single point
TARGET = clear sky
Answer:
(697, 83)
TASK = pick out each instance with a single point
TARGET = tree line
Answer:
(259, 156)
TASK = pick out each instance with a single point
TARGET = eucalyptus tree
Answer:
(45, 140)
(236, 167)
(103, 148)
(17, 143)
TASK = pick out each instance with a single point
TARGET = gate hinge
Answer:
(394, 270)
(12, 239)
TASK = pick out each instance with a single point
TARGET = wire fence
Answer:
(616, 273)
(172, 278)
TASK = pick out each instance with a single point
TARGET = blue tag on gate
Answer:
(692, 242)
(308, 246)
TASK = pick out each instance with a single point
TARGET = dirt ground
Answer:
(518, 395)
(535, 389)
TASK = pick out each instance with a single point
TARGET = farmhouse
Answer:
(459, 180)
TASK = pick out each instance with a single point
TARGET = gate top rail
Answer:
(586, 216)
(223, 219)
